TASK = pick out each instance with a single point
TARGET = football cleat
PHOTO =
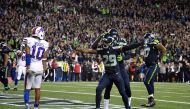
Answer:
(150, 103)
(15, 89)
(6, 88)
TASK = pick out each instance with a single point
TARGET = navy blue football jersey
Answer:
(151, 54)
(123, 55)
(4, 50)
(109, 57)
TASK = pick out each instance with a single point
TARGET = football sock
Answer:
(106, 103)
(16, 82)
(27, 106)
(36, 104)
(5, 82)
(151, 95)
(26, 96)
(129, 100)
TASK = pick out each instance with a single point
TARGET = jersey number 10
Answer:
(39, 54)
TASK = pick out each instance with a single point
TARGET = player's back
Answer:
(37, 50)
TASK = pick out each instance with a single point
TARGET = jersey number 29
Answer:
(110, 60)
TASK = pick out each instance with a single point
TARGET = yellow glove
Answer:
(120, 57)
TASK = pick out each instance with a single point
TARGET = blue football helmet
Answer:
(114, 33)
(107, 40)
(150, 38)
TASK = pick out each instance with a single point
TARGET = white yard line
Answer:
(86, 86)
(114, 106)
(81, 93)
(89, 86)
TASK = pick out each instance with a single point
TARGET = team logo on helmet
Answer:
(114, 33)
(38, 32)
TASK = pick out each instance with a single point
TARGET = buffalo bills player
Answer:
(21, 67)
(153, 49)
(109, 55)
(36, 55)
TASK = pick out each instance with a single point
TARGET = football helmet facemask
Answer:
(107, 40)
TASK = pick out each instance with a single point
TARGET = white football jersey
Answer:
(21, 61)
(37, 49)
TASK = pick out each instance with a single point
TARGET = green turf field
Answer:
(81, 95)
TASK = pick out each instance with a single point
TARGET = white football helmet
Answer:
(38, 32)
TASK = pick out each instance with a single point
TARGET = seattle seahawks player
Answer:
(151, 60)
(36, 55)
(121, 42)
(118, 42)
(109, 55)
(3, 64)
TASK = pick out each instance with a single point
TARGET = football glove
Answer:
(3, 69)
(120, 57)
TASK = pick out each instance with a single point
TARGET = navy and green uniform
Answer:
(3, 69)
(111, 75)
(151, 60)
(112, 72)
(124, 74)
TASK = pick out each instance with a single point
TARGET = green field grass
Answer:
(81, 95)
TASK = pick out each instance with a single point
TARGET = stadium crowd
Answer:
(71, 23)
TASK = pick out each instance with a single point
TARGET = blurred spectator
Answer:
(95, 70)
(65, 70)
(69, 23)
(77, 70)
(162, 72)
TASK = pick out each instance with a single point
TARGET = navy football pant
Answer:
(105, 81)
(125, 77)
(150, 78)
(3, 77)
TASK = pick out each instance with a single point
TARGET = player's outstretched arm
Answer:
(161, 48)
(95, 43)
(132, 46)
(86, 50)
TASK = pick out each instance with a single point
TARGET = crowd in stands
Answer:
(70, 23)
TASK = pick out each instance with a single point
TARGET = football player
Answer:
(151, 60)
(21, 66)
(109, 55)
(118, 42)
(36, 55)
(3, 64)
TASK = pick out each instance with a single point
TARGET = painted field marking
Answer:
(167, 101)
(13, 103)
